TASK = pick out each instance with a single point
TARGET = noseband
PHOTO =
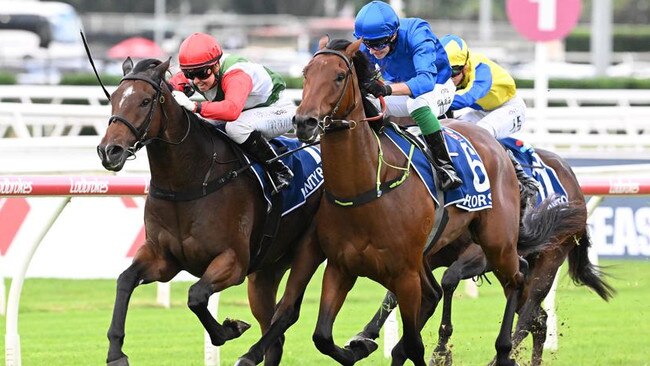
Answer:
(141, 133)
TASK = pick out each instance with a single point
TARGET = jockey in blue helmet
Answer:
(416, 72)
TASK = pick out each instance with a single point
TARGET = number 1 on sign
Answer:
(546, 14)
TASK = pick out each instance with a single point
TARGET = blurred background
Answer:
(41, 44)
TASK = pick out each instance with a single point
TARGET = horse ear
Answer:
(127, 65)
(323, 42)
(160, 70)
(353, 48)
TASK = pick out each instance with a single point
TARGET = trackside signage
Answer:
(96, 237)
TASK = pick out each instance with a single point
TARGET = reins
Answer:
(141, 133)
(330, 124)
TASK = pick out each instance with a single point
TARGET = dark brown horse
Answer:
(383, 235)
(204, 214)
(465, 260)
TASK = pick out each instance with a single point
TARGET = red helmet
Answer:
(199, 50)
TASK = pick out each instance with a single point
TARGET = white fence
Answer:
(620, 122)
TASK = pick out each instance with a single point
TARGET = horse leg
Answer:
(147, 267)
(431, 294)
(262, 291)
(336, 286)
(470, 263)
(303, 267)
(371, 330)
(532, 317)
(222, 273)
(417, 299)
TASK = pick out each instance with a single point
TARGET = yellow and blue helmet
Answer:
(456, 48)
(376, 20)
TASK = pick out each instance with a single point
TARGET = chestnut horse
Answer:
(205, 213)
(383, 235)
(466, 260)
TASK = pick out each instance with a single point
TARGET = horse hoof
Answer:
(123, 361)
(238, 327)
(362, 347)
(441, 359)
(244, 362)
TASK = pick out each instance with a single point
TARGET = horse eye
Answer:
(340, 77)
(145, 102)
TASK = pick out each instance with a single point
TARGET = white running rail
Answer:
(621, 122)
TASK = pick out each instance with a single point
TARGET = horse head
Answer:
(140, 107)
(330, 93)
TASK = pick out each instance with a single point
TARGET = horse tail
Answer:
(539, 225)
(583, 272)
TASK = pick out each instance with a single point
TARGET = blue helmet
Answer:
(376, 20)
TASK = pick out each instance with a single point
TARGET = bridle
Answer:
(141, 132)
(329, 123)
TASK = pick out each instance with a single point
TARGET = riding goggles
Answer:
(378, 44)
(455, 70)
(202, 74)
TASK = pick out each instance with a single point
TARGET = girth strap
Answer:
(271, 226)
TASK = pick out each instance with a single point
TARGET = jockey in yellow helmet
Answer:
(486, 88)
(489, 92)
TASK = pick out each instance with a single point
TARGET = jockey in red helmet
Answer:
(246, 95)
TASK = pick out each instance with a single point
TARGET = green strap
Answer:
(380, 188)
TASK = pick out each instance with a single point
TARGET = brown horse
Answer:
(383, 235)
(465, 260)
(204, 214)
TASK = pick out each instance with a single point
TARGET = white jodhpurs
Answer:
(501, 122)
(439, 100)
(271, 121)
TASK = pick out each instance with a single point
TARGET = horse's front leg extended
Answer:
(224, 271)
(303, 267)
(336, 286)
(146, 267)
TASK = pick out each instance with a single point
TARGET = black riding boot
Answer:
(444, 168)
(528, 187)
(261, 151)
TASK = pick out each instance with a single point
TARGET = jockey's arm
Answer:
(237, 86)
(401, 89)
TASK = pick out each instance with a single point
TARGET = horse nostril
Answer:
(100, 152)
(114, 152)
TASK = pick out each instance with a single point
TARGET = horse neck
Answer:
(349, 157)
(177, 166)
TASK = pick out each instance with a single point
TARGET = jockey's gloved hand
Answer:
(188, 90)
(184, 100)
(377, 88)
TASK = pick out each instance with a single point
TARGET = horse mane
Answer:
(146, 64)
(365, 70)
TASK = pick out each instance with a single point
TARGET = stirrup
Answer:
(448, 179)
(281, 180)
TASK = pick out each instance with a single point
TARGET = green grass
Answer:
(64, 322)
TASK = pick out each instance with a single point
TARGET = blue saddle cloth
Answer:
(475, 193)
(307, 171)
(549, 183)
(305, 164)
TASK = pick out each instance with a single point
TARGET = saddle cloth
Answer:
(307, 174)
(305, 164)
(549, 183)
(475, 193)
